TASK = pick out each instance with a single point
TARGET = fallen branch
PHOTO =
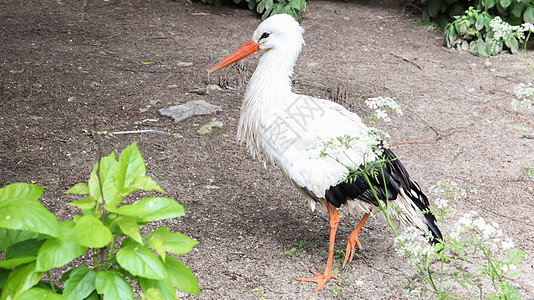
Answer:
(138, 131)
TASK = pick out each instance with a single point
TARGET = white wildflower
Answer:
(524, 94)
(415, 243)
(448, 188)
(441, 203)
(383, 105)
(508, 268)
(528, 27)
(508, 244)
(382, 115)
(503, 31)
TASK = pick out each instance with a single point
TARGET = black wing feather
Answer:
(396, 177)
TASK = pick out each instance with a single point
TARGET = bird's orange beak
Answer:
(243, 51)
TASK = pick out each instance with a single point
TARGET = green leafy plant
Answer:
(469, 32)
(480, 33)
(291, 251)
(33, 242)
(514, 12)
(268, 7)
(298, 245)
(467, 23)
(529, 168)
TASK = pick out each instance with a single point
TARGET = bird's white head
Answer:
(279, 32)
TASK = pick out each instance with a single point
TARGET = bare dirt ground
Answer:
(71, 67)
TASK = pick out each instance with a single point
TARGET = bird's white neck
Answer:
(268, 94)
(271, 81)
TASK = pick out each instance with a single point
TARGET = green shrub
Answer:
(268, 7)
(476, 31)
(514, 12)
(33, 242)
(483, 27)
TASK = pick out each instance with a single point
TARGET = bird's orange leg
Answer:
(321, 279)
(353, 238)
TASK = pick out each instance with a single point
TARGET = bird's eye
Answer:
(264, 35)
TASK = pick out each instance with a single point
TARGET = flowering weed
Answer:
(474, 254)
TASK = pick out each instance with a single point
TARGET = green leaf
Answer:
(3, 278)
(479, 23)
(481, 48)
(146, 183)
(90, 232)
(129, 226)
(108, 165)
(528, 16)
(260, 7)
(141, 262)
(159, 208)
(19, 280)
(127, 210)
(23, 248)
(456, 9)
(23, 191)
(10, 263)
(112, 286)
(79, 189)
(433, 7)
(41, 294)
(164, 287)
(489, 4)
(505, 3)
(93, 296)
(452, 36)
(57, 252)
(181, 276)
(20, 253)
(84, 203)
(20, 209)
(81, 283)
(517, 9)
(512, 43)
(163, 241)
(153, 294)
(251, 4)
(9, 237)
(131, 165)
(267, 13)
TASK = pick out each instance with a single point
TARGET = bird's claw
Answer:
(350, 249)
(319, 278)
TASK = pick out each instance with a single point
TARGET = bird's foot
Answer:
(351, 246)
(320, 279)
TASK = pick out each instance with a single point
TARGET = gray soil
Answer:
(82, 70)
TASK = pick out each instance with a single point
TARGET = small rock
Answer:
(95, 84)
(184, 64)
(207, 129)
(192, 108)
(214, 87)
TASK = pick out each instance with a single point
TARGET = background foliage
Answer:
(468, 23)
(268, 7)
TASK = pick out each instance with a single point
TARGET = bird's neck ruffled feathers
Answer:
(272, 79)
(269, 91)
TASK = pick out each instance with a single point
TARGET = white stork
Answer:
(292, 131)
